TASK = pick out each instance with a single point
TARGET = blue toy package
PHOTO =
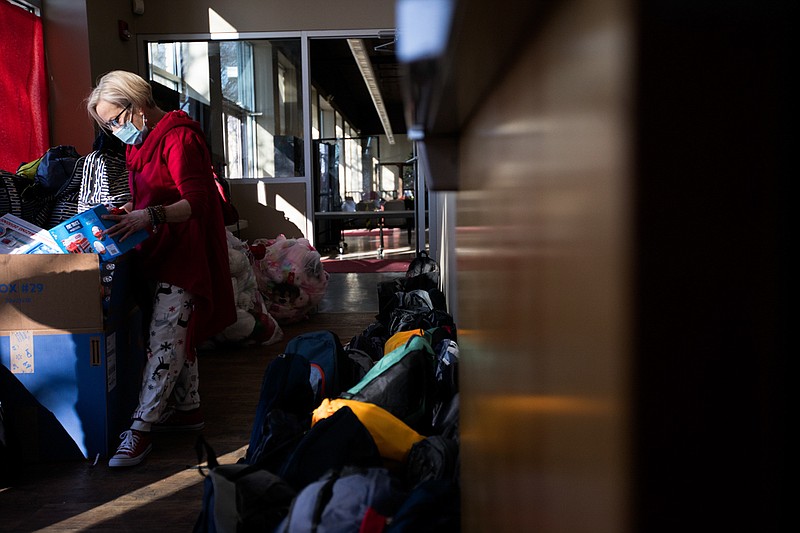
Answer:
(83, 233)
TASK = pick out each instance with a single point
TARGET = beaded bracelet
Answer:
(157, 215)
(151, 216)
(160, 214)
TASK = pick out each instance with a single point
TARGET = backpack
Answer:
(447, 419)
(402, 382)
(400, 338)
(352, 499)
(370, 342)
(282, 431)
(433, 506)
(390, 293)
(360, 361)
(446, 377)
(392, 436)
(332, 443)
(434, 457)
(331, 370)
(240, 497)
(416, 310)
(51, 173)
(284, 408)
(422, 264)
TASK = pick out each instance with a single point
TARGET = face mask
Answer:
(129, 134)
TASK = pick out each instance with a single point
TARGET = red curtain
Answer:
(24, 128)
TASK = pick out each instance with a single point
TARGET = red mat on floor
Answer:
(336, 266)
(374, 232)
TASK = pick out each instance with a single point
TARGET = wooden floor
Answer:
(165, 492)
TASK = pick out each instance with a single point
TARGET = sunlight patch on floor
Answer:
(142, 496)
(388, 253)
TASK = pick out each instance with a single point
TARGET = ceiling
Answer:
(336, 76)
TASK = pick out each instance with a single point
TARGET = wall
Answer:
(70, 79)
(542, 245)
(270, 209)
(190, 16)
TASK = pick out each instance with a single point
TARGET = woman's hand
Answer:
(127, 224)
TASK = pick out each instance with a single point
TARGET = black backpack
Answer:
(332, 443)
(53, 172)
(284, 410)
(433, 506)
(390, 294)
(402, 383)
(240, 497)
(434, 457)
(369, 342)
(437, 456)
(421, 264)
(417, 310)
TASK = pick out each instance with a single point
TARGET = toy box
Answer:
(18, 236)
(83, 234)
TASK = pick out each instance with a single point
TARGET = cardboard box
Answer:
(83, 234)
(18, 236)
(74, 341)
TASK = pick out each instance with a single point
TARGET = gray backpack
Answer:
(353, 499)
(240, 497)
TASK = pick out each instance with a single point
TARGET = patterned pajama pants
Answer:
(169, 380)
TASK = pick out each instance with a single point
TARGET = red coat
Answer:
(174, 163)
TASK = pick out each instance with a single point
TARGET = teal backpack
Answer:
(403, 383)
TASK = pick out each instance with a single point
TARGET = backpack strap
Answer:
(323, 497)
(203, 448)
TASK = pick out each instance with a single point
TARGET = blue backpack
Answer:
(284, 410)
(331, 370)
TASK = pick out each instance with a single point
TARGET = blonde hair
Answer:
(121, 88)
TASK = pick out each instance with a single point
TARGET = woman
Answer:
(175, 198)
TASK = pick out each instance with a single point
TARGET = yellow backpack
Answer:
(392, 436)
(400, 338)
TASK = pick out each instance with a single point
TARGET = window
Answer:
(245, 93)
(344, 167)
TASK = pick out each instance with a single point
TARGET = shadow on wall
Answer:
(268, 223)
(270, 209)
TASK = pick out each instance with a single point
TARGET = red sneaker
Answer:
(175, 420)
(134, 448)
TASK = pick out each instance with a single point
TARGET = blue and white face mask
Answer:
(129, 134)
